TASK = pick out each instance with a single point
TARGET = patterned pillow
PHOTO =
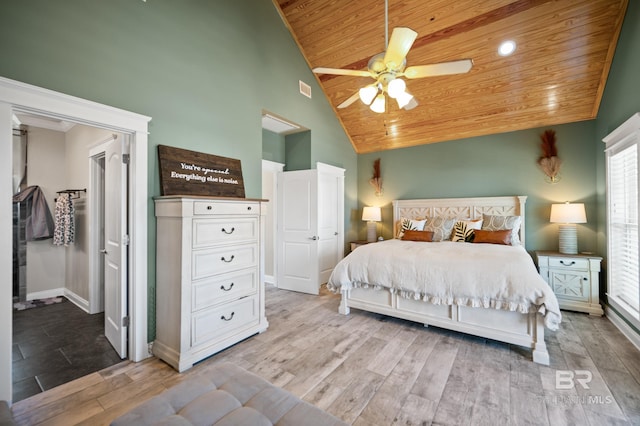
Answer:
(463, 230)
(440, 226)
(410, 225)
(500, 223)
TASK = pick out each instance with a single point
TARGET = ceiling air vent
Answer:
(305, 89)
(277, 125)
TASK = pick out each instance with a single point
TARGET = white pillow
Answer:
(463, 230)
(410, 225)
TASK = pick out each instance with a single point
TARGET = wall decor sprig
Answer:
(376, 180)
(549, 162)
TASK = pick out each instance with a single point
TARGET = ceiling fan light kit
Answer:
(386, 68)
(367, 93)
(379, 104)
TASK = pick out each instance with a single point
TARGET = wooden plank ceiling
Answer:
(556, 75)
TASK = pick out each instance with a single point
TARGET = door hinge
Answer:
(125, 321)
(125, 240)
(125, 158)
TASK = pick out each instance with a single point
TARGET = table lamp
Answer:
(567, 215)
(371, 215)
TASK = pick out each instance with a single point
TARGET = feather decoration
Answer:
(376, 180)
(549, 144)
(549, 161)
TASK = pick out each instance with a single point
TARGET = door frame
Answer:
(16, 96)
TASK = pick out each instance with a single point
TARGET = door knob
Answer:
(314, 238)
(103, 251)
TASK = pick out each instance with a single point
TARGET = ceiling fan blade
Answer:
(446, 68)
(349, 100)
(339, 71)
(401, 41)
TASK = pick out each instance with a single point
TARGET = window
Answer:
(622, 219)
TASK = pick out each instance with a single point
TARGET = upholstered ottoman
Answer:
(226, 395)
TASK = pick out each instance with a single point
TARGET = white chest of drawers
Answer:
(574, 279)
(209, 276)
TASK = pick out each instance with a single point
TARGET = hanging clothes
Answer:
(65, 221)
(39, 224)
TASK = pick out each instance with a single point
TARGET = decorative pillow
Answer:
(463, 230)
(492, 237)
(499, 223)
(440, 226)
(417, 235)
(410, 225)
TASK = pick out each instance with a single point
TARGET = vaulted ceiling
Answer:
(556, 75)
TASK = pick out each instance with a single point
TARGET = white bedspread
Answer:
(452, 273)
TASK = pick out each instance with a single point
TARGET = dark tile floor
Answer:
(55, 344)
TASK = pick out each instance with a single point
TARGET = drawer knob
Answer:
(209, 207)
(249, 208)
(228, 319)
(585, 278)
(568, 263)
(230, 259)
(228, 232)
(226, 289)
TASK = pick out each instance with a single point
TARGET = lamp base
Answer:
(372, 231)
(568, 239)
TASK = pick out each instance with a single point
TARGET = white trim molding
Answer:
(622, 325)
(18, 97)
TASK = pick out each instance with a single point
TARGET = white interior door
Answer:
(298, 231)
(115, 245)
(328, 229)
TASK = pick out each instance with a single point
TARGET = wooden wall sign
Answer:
(184, 172)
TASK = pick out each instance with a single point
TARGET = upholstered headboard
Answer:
(461, 208)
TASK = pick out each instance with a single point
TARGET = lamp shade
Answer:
(371, 214)
(568, 213)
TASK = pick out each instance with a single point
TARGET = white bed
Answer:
(515, 310)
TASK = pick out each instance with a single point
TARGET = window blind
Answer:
(623, 260)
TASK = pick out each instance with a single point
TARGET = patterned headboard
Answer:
(461, 208)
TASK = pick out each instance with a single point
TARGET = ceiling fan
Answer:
(387, 67)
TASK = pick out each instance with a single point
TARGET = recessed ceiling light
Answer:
(506, 48)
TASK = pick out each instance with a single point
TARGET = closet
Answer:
(310, 229)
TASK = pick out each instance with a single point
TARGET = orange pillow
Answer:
(418, 236)
(492, 237)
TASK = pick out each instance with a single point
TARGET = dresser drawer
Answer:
(207, 232)
(208, 262)
(214, 323)
(235, 208)
(569, 262)
(223, 288)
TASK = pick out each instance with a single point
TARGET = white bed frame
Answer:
(505, 326)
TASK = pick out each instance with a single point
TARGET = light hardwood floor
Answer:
(368, 369)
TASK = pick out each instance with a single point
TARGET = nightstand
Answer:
(574, 279)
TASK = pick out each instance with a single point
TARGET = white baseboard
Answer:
(57, 292)
(77, 300)
(621, 325)
(270, 279)
(54, 292)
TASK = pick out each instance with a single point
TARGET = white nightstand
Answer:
(574, 279)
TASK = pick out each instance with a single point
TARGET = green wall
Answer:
(202, 69)
(495, 165)
(273, 146)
